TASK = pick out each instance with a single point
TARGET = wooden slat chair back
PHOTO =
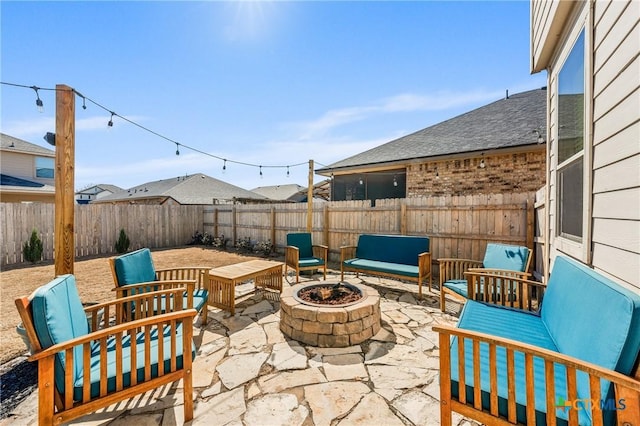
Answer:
(302, 255)
(499, 259)
(135, 272)
(81, 371)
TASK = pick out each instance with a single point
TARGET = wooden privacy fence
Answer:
(97, 227)
(458, 226)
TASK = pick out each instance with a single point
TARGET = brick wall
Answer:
(514, 172)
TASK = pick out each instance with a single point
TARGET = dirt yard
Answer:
(94, 284)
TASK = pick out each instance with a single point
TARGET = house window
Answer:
(44, 167)
(570, 146)
(369, 186)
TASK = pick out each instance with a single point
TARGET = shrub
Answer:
(122, 245)
(220, 242)
(263, 247)
(32, 249)
(196, 238)
(244, 244)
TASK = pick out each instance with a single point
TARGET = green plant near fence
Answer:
(122, 245)
(32, 249)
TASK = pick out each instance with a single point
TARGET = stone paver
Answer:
(247, 372)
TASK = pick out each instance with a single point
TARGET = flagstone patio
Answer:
(247, 372)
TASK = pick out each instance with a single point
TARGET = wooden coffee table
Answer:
(222, 281)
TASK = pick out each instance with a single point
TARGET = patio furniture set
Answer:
(522, 352)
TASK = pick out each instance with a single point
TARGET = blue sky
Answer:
(266, 83)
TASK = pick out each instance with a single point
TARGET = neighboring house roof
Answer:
(95, 189)
(279, 192)
(16, 181)
(192, 189)
(18, 145)
(509, 122)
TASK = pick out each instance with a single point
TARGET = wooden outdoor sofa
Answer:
(395, 256)
(81, 371)
(564, 353)
(133, 273)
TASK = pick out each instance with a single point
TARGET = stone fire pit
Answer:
(328, 325)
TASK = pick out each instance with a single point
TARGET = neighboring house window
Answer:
(570, 146)
(44, 167)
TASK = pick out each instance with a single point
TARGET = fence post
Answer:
(273, 226)
(530, 223)
(234, 221)
(325, 225)
(403, 218)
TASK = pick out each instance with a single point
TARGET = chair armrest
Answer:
(138, 288)
(347, 252)
(424, 264)
(506, 288)
(320, 251)
(183, 273)
(454, 269)
(292, 256)
(626, 387)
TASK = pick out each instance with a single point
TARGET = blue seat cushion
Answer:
(590, 317)
(503, 256)
(58, 317)
(457, 286)
(302, 241)
(310, 262)
(385, 267)
(126, 360)
(392, 248)
(135, 267)
(516, 325)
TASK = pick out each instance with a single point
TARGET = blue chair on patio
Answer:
(302, 255)
(501, 259)
(135, 273)
(81, 371)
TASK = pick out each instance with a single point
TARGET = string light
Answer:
(40, 106)
(39, 103)
(395, 182)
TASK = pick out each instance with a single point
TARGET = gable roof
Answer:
(508, 122)
(192, 189)
(279, 192)
(96, 189)
(10, 143)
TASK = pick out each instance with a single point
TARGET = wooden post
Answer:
(273, 227)
(530, 224)
(64, 242)
(310, 198)
(403, 218)
(325, 226)
(234, 229)
(215, 222)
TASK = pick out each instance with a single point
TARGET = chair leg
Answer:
(325, 271)
(442, 307)
(205, 314)
(297, 276)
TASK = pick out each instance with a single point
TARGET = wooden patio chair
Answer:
(302, 255)
(80, 371)
(135, 273)
(500, 259)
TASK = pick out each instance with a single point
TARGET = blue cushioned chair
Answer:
(135, 273)
(81, 371)
(301, 255)
(503, 259)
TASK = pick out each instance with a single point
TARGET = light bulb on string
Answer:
(287, 171)
(224, 166)
(177, 148)
(110, 123)
(39, 103)
(260, 172)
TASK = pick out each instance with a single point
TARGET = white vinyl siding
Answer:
(616, 127)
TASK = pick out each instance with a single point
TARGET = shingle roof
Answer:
(96, 189)
(505, 123)
(192, 189)
(6, 180)
(278, 192)
(18, 145)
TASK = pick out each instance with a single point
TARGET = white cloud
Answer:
(405, 102)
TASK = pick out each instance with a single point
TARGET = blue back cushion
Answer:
(58, 316)
(591, 317)
(502, 256)
(135, 267)
(301, 240)
(392, 248)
